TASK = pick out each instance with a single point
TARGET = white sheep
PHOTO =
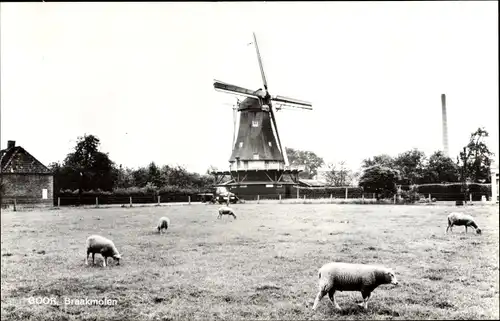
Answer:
(226, 210)
(338, 276)
(163, 223)
(106, 247)
(461, 219)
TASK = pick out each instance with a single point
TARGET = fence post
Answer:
(394, 199)
(331, 198)
(280, 198)
(430, 197)
(373, 195)
(159, 197)
(346, 191)
(130, 201)
(15, 205)
(59, 202)
(470, 197)
(258, 199)
(363, 198)
(189, 199)
(97, 201)
(304, 198)
(298, 193)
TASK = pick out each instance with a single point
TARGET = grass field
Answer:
(261, 266)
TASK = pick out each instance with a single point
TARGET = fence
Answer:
(426, 193)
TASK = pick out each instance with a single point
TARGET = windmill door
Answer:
(288, 191)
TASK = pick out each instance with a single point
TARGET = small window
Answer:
(271, 185)
(44, 194)
(270, 144)
(255, 123)
(243, 186)
(241, 144)
(279, 186)
(255, 156)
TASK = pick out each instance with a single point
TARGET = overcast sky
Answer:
(139, 76)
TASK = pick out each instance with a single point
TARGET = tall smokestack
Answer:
(445, 125)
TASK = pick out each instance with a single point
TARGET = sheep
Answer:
(460, 219)
(338, 276)
(106, 247)
(163, 223)
(226, 210)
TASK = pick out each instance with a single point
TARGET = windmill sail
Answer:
(264, 81)
(292, 102)
(232, 89)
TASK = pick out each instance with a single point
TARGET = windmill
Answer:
(258, 157)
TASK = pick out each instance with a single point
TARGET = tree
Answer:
(154, 175)
(310, 160)
(140, 176)
(411, 166)
(341, 176)
(475, 159)
(88, 167)
(440, 169)
(125, 178)
(380, 180)
(382, 159)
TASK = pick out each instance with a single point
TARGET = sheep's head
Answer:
(117, 258)
(478, 231)
(390, 277)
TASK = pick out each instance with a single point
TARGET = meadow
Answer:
(261, 266)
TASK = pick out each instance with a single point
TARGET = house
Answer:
(23, 178)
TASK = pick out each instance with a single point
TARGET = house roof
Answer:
(312, 183)
(17, 160)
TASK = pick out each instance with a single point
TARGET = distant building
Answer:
(494, 181)
(321, 174)
(24, 178)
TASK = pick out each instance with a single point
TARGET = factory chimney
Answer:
(445, 125)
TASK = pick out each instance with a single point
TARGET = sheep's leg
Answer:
(320, 295)
(87, 258)
(465, 229)
(448, 228)
(104, 262)
(93, 258)
(366, 297)
(234, 216)
(331, 296)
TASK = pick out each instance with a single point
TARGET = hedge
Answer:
(122, 196)
(453, 192)
(325, 192)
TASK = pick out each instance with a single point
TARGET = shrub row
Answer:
(336, 192)
(454, 192)
(122, 196)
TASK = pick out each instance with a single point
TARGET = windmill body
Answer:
(258, 164)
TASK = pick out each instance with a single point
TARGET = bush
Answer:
(411, 195)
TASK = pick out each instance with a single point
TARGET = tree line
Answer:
(87, 168)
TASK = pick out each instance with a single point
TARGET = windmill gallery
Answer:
(258, 164)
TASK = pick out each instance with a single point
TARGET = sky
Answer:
(139, 76)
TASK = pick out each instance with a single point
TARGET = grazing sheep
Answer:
(163, 223)
(226, 210)
(338, 276)
(104, 246)
(460, 219)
